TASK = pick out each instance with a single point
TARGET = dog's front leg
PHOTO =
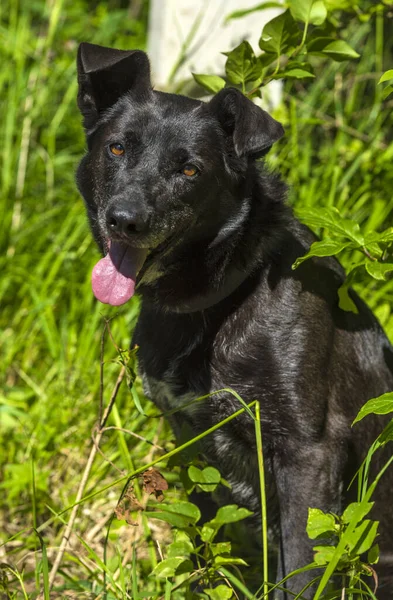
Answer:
(309, 477)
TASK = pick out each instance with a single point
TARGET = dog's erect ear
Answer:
(105, 74)
(253, 129)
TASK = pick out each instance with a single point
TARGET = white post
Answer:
(201, 30)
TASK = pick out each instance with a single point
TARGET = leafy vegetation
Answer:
(74, 422)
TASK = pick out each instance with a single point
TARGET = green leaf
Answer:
(221, 592)
(308, 11)
(325, 247)
(383, 237)
(318, 44)
(181, 514)
(207, 480)
(376, 406)
(220, 548)
(318, 13)
(345, 301)
(242, 65)
(169, 567)
(355, 506)
(362, 538)
(182, 547)
(319, 524)
(323, 554)
(229, 560)
(386, 435)
(211, 83)
(387, 91)
(373, 555)
(229, 514)
(379, 270)
(237, 14)
(340, 50)
(207, 533)
(266, 59)
(297, 74)
(386, 76)
(281, 35)
(330, 218)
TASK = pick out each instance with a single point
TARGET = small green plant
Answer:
(306, 30)
(374, 250)
(199, 541)
(350, 545)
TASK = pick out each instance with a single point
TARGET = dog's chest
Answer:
(163, 393)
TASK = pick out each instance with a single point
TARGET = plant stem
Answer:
(130, 476)
(261, 468)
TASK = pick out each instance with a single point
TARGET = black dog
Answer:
(181, 209)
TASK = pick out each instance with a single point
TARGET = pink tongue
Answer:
(113, 278)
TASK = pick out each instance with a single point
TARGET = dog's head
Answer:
(158, 163)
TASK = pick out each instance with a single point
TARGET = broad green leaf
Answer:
(194, 474)
(308, 11)
(229, 514)
(229, 560)
(355, 506)
(340, 50)
(182, 547)
(318, 13)
(298, 74)
(362, 538)
(323, 554)
(387, 91)
(211, 83)
(319, 524)
(296, 71)
(181, 514)
(208, 479)
(281, 35)
(379, 270)
(318, 44)
(266, 59)
(377, 406)
(345, 301)
(323, 248)
(383, 237)
(169, 566)
(386, 76)
(237, 14)
(221, 592)
(207, 533)
(220, 548)
(242, 65)
(373, 555)
(330, 218)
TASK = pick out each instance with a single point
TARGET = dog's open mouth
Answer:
(114, 276)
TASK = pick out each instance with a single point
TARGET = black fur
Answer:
(221, 306)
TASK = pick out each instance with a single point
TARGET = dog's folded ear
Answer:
(253, 130)
(105, 74)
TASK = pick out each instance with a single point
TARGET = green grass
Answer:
(338, 152)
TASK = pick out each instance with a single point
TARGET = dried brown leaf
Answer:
(154, 483)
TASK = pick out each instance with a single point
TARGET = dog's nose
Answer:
(127, 222)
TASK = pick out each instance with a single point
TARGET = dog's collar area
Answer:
(232, 282)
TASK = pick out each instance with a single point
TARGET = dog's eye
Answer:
(117, 149)
(190, 171)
